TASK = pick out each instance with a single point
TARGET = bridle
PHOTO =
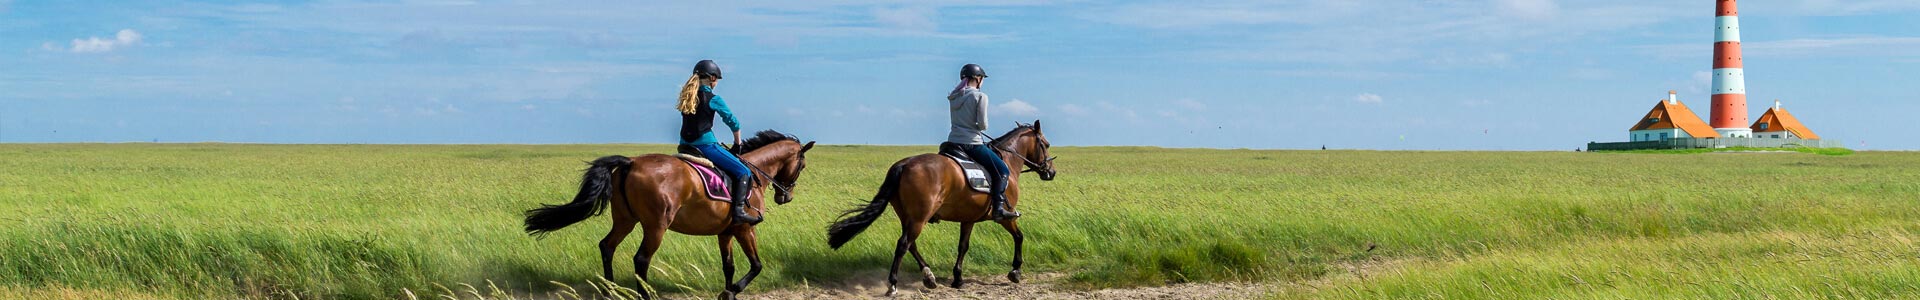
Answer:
(758, 174)
(770, 181)
(1031, 166)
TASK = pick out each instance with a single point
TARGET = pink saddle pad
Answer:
(716, 187)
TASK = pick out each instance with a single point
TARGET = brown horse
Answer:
(930, 188)
(660, 193)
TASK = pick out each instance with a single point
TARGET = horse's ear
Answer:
(1036, 125)
(809, 146)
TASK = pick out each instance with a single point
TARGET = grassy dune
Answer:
(367, 222)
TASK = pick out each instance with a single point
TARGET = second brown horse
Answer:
(930, 188)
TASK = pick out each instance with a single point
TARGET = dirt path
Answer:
(1042, 286)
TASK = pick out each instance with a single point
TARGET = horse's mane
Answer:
(1001, 141)
(762, 139)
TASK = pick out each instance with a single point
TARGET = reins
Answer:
(770, 182)
(1031, 166)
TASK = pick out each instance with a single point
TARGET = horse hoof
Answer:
(727, 295)
(1014, 276)
(890, 290)
(956, 283)
(932, 282)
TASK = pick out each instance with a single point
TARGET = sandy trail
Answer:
(1040, 286)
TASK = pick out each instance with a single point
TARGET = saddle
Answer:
(714, 180)
(976, 175)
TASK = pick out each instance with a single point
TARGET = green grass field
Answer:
(371, 221)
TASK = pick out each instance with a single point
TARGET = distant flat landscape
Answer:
(189, 221)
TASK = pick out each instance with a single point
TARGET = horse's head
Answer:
(1030, 146)
(779, 158)
(789, 174)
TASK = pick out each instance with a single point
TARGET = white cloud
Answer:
(1590, 74)
(1529, 9)
(904, 114)
(1795, 48)
(1017, 108)
(1848, 7)
(1073, 110)
(528, 107)
(1210, 14)
(1486, 59)
(1346, 32)
(1191, 104)
(347, 104)
(1351, 74)
(1116, 111)
(1828, 47)
(1368, 98)
(909, 18)
(126, 37)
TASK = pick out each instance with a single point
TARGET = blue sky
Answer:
(1433, 74)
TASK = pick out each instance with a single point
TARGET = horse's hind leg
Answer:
(621, 227)
(909, 231)
(924, 268)
(648, 245)
(751, 245)
(1019, 243)
(960, 257)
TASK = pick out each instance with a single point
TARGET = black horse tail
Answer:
(595, 187)
(849, 226)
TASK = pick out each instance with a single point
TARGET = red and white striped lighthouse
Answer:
(1729, 79)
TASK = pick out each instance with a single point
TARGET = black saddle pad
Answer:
(976, 174)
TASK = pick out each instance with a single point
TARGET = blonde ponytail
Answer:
(690, 95)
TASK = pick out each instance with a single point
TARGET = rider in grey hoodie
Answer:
(969, 110)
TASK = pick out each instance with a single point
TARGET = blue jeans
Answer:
(987, 158)
(723, 160)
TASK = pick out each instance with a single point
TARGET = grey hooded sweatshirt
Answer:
(969, 110)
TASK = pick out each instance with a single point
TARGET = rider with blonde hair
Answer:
(697, 106)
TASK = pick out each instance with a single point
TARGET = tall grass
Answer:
(384, 222)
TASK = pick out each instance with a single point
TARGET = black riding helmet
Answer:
(971, 70)
(708, 68)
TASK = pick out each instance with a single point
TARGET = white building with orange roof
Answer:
(1777, 123)
(1670, 119)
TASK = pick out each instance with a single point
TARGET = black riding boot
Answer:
(742, 187)
(998, 201)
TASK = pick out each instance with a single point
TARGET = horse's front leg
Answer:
(1019, 243)
(960, 256)
(749, 244)
(726, 259)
